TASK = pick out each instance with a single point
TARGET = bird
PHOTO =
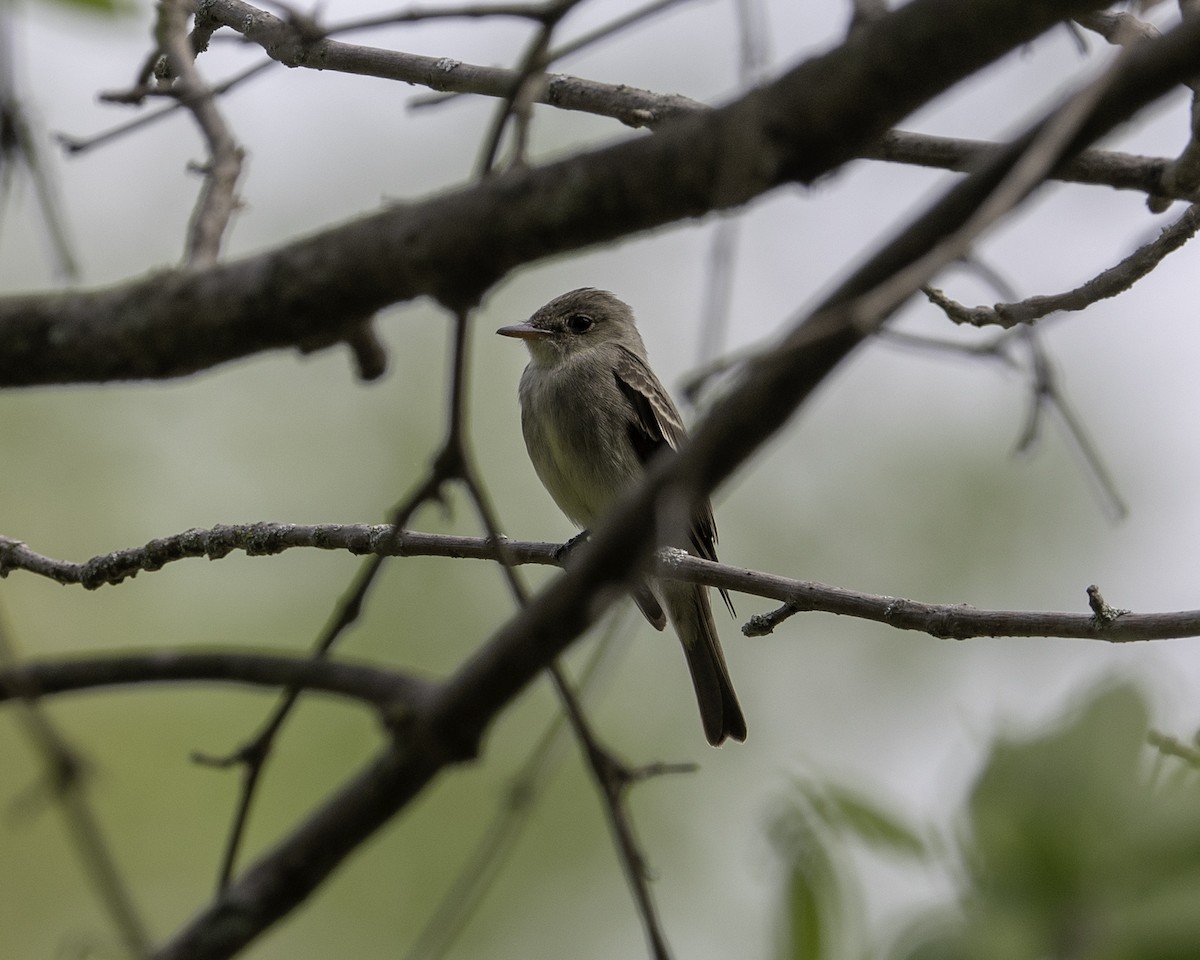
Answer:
(593, 415)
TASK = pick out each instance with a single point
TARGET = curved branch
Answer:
(1110, 282)
(385, 689)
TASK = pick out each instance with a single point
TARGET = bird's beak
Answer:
(524, 331)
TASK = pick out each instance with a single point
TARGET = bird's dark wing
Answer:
(655, 423)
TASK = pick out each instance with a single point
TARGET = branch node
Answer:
(764, 624)
(370, 355)
(8, 549)
(1103, 614)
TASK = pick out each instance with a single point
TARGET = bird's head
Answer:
(576, 323)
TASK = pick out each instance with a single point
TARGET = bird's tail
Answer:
(691, 615)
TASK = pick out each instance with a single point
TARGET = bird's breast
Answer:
(577, 437)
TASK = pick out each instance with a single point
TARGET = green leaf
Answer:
(806, 940)
(847, 812)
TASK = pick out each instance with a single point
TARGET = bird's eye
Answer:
(579, 323)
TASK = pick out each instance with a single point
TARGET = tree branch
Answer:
(387, 690)
(260, 539)
(1108, 283)
(315, 290)
(1105, 168)
(218, 197)
(66, 780)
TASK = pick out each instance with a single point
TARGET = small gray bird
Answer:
(593, 414)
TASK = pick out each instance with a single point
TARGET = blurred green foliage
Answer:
(107, 8)
(1082, 843)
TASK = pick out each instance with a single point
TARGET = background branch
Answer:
(320, 288)
(66, 784)
(391, 692)
(1108, 283)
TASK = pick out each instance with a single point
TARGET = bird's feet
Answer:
(565, 551)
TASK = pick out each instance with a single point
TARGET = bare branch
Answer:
(393, 693)
(66, 783)
(316, 289)
(480, 869)
(1121, 171)
(1045, 393)
(1108, 283)
(218, 198)
(613, 27)
(81, 144)
(19, 148)
(1183, 173)
(524, 89)
(416, 14)
(281, 42)
(261, 539)
(1120, 28)
(804, 595)
(449, 464)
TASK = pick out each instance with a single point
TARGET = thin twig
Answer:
(479, 871)
(1048, 391)
(417, 14)
(447, 465)
(18, 145)
(722, 257)
(66, 783)
(607, 30)
(252, 756)
(1121, 171)
(392, 693)
(264, 539)
(218, 197)
(518, 100)
(1039, 154)
(611, 776)
(1183, 173)
(1108, 283)
(82, 144)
